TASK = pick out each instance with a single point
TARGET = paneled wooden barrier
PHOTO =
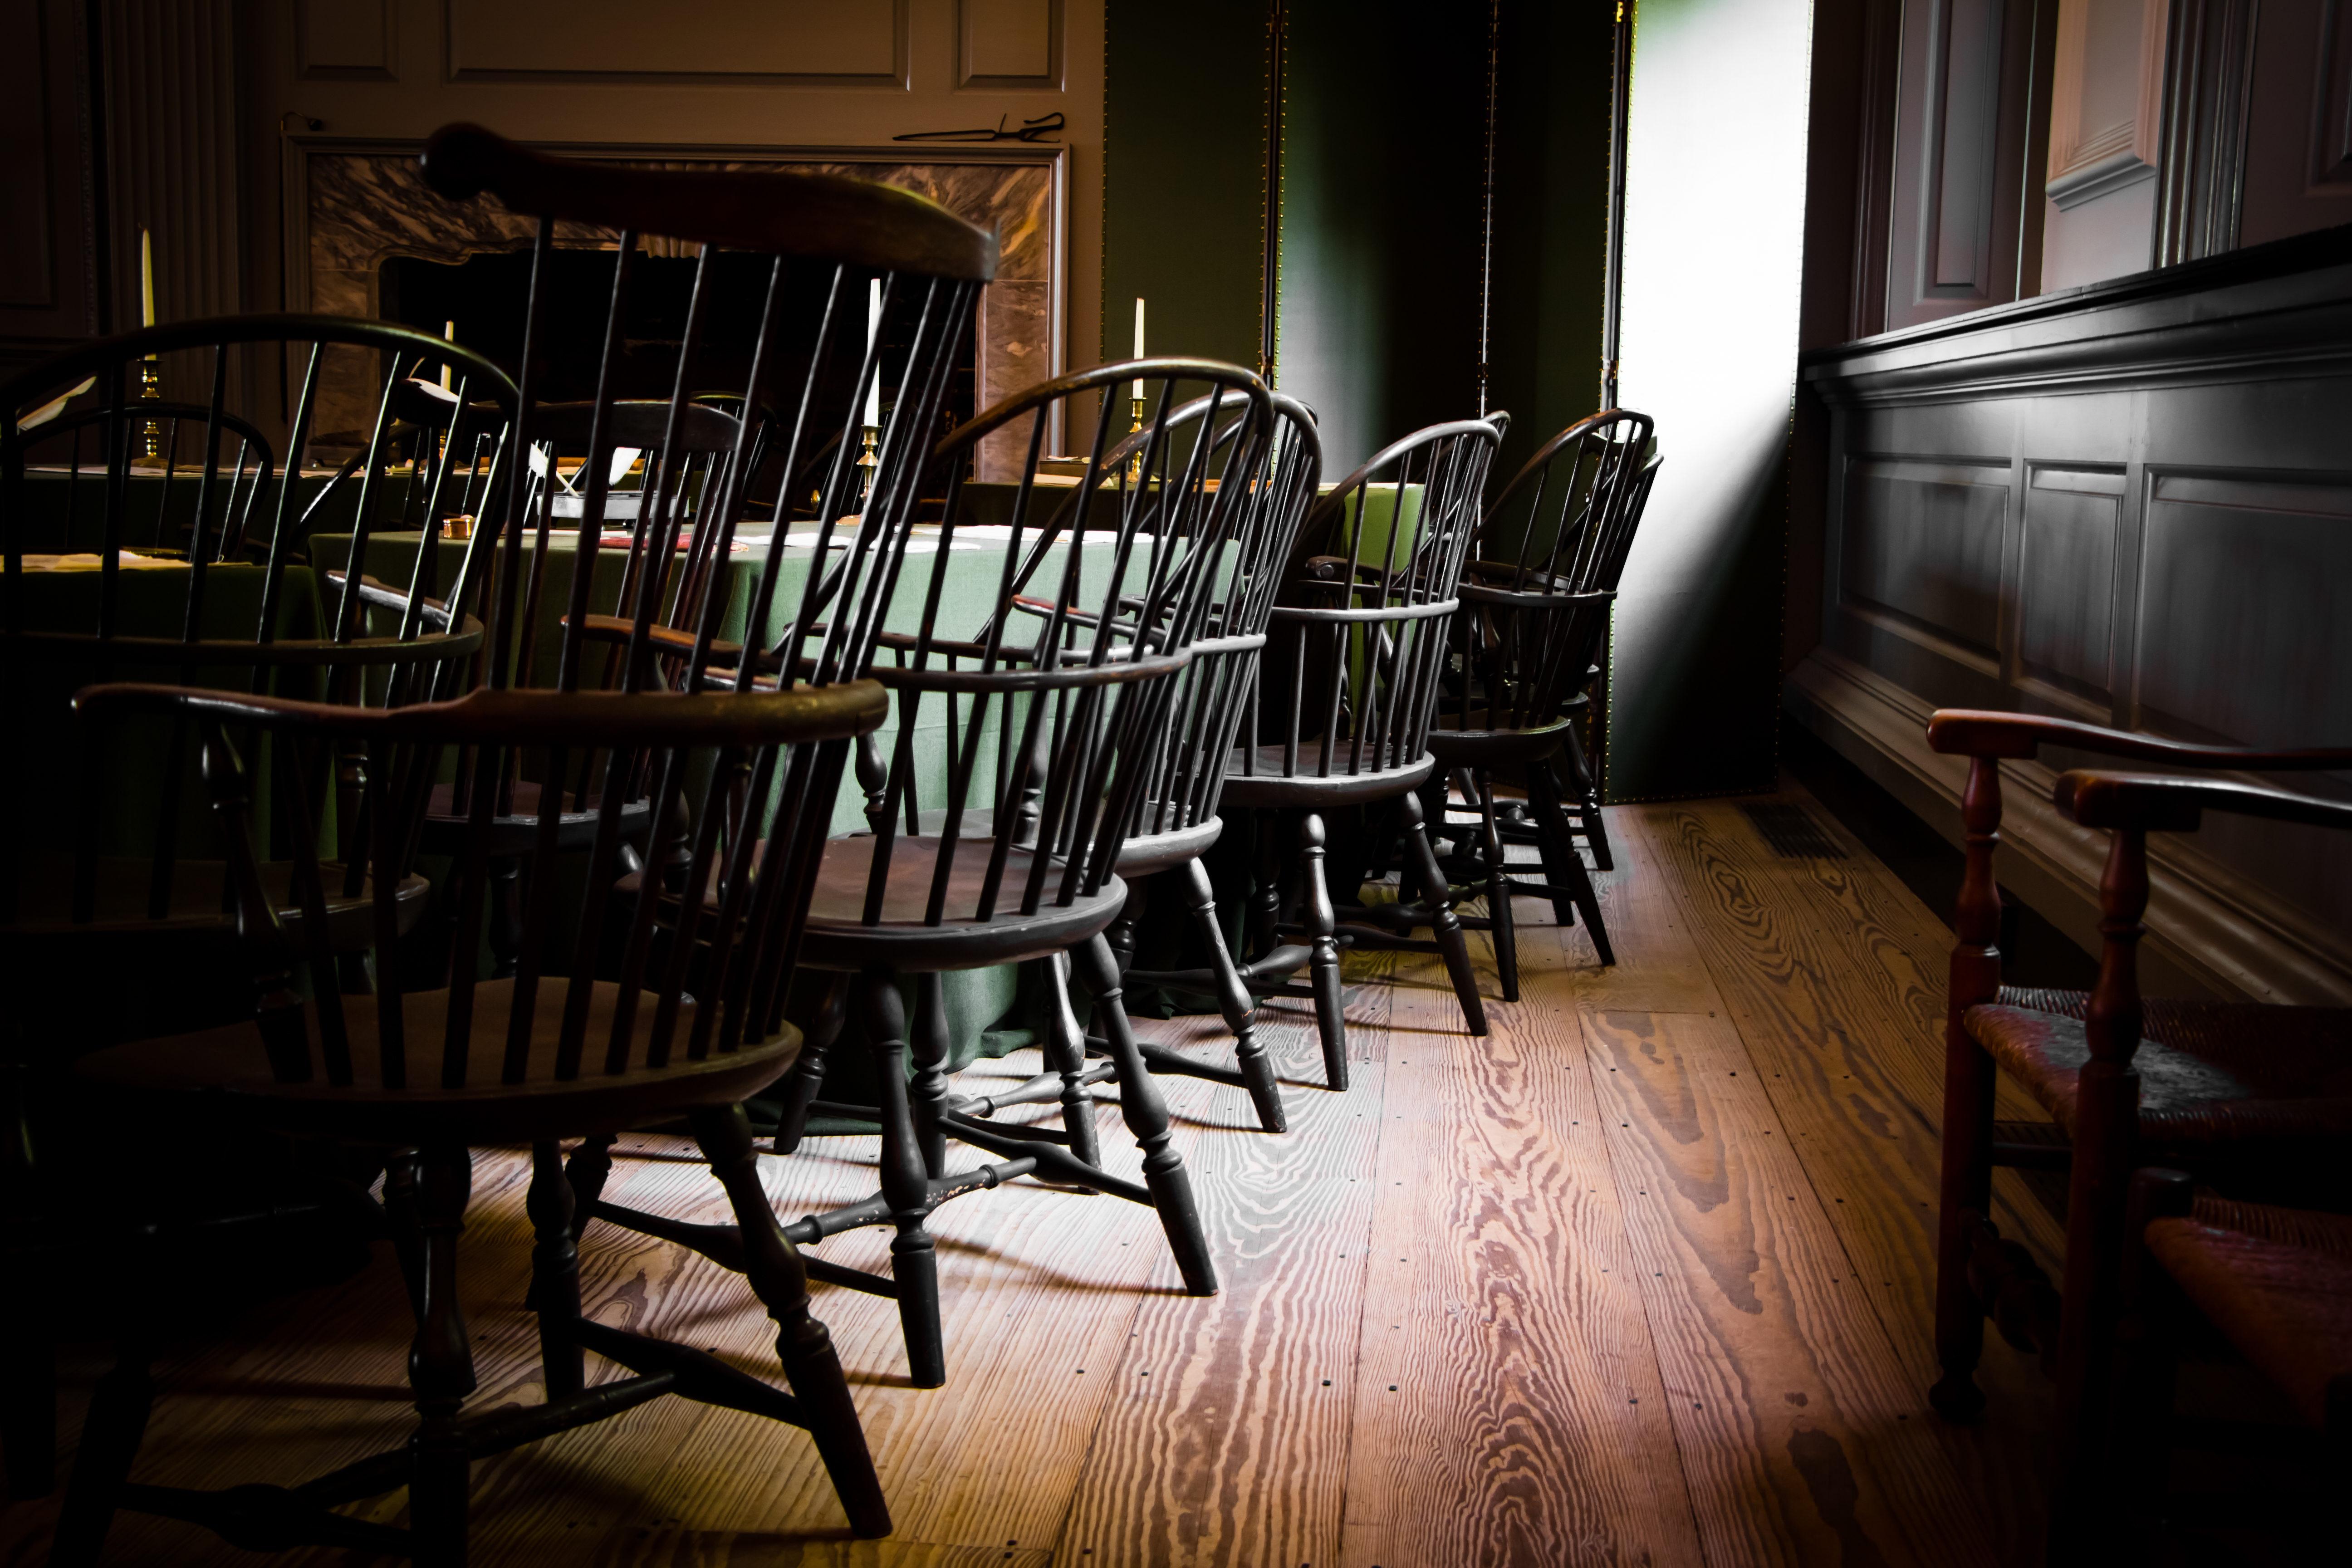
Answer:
(2130, 503)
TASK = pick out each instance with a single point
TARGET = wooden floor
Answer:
(1641, 1277)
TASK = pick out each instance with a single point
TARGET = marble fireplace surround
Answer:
(362, 203)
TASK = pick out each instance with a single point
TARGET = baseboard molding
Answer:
(2210, 930)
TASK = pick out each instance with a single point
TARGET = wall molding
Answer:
(2091, 161)
(2089, 181)
(2209, 928)
(2149, 330)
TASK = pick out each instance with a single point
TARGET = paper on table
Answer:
(685, 541)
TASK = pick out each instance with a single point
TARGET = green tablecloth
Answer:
(66, 512)
(124, 802)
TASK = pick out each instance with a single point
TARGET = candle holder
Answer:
(868, 461)
(150, 390)
(1135, 428)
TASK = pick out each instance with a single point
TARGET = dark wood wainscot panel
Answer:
(2128, 503)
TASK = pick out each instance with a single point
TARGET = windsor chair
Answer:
(1186, 775)
(664, 1026)
(701, 448)
(1341, 714)
(2254, 1100)
(1537, 595)
(1053, 710)
(115, 870)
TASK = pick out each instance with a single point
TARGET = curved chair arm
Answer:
(533, 718)
(385, 596)
(1982, 733)
(2166, 804)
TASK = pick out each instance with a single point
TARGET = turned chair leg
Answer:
(1267, 901)
(1579, 881)
(590, 1168)
(1499, 892)
(400, 1216)
(1064, 1047)
(440, 1367)
(1451, 944)
(1588, 796)
(1966, 1193)
(1555, 839)
(805, 1082)
(914, 1260)
(803, 1344)
(928, 1092)
(1147, 1117)
(115, 1427)
(1122, 935)
(1323, 955)
(1234, 1000)
(555, 1269)
(2106, 1131)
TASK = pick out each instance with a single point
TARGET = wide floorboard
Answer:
(1642, 1276)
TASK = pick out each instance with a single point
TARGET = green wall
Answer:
(1183, 179)
(1385, 151)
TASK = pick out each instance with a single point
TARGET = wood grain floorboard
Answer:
(1802, 1440)
(1225, 1440)
(708, 1549)
(1821, 968)
(1589, 1291)
(1511, 1408)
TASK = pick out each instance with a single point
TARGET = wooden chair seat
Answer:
(229, 1069)
(2212, 1075)
(198, 901)
(837, 936)
(1475, 739)
(517, 832)
(1380, 779)
(1138, 857)
(2277, 1283)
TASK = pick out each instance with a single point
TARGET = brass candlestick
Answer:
(150, 390)
(869, 460)
(1135, 428)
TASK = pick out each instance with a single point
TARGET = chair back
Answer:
(832, 251)
(641, 989)
(1543, 573)
(836, 261)
(191, 570)
(1052, 700)
(1565, 522)
(1186, 773)
(1358, 641)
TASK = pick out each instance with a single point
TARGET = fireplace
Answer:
(365, 206)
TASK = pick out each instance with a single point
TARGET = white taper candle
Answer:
(874, 337)
(1138, 344)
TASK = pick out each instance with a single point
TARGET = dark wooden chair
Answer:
(1341, 715)
(646, 1026)
(2206, 1279)
(1054, 713)
(76, 441)
(2254, 1100)
(1535, 600)
(115, 868)
(824, 240)
(1186, 773)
